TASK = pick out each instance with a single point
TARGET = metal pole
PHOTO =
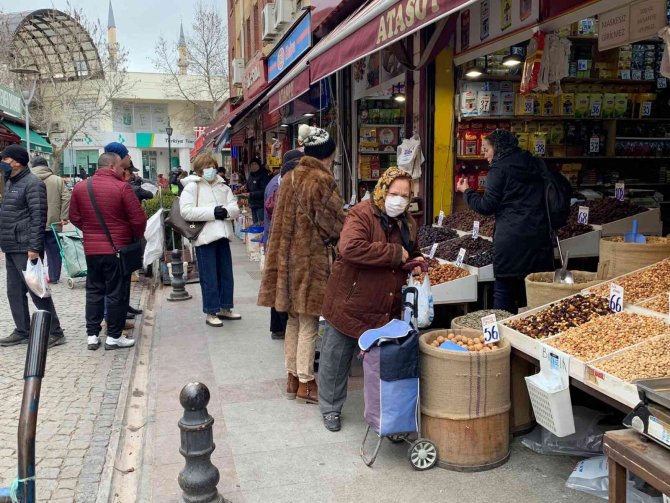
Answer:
(27, 98)
(178, 282)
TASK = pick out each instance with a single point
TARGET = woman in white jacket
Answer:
(206, 198)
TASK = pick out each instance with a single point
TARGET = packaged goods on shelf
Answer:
(647, 360)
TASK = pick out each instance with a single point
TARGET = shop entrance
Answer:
(150, 163)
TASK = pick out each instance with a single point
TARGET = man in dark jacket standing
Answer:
(126, 221)
(258, 180)
(23, 217)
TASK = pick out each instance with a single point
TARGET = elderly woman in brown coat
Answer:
(364, 289)
(306, 225)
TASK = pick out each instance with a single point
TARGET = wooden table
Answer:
(627, 451)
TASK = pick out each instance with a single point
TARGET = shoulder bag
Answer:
(130, 256)
(175, 220)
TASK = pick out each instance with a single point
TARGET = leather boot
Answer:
(308, 392)
(292, 386)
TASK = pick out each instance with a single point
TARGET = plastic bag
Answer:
(425, 301)
(410, 157)
(36, 279)
(154, 234)
(531, 68)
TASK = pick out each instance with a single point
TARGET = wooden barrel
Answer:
(465, 403)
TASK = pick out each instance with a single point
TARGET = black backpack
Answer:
(558, 193)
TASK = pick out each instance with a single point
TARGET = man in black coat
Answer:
(258, 180)
(23, 217)
(515, 194)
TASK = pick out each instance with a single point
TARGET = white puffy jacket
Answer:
(209, 196)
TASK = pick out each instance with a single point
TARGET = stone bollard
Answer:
(199, 477)
(178, 283)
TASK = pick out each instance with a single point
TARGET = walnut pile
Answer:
(650, 359)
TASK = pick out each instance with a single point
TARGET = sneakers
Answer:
(332, 421)
(213, 320)
(308, 392)
(93, 342)
(121, 342)
(56, 340)
(292, 385)
(12, 340)
(277, 336)
(228, 314)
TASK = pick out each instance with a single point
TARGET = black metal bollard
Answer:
(178, 283)
(199, 477)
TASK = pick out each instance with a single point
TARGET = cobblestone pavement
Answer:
(78, 404)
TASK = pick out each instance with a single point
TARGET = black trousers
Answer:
(54, 259)
(509, 294)
(278, 321)
(15, 264)
(105, 281)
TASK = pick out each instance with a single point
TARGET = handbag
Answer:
(130, 256)
(175, 220)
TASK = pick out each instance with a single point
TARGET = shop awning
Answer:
(293, 85)
(373, 27)
(37, 142)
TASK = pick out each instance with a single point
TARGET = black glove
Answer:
(220, 213)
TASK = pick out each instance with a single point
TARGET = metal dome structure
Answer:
(53, 42)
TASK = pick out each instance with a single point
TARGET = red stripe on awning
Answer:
(294, 88)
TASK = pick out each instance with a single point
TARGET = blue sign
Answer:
(297, 43)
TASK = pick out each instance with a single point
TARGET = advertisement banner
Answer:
(297, 43)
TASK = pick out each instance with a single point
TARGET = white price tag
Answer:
(433, 249)
(490, 329)
(594, 144)
(440, 219)
(583, 215)
(619, 190)
(540, 146)
(646, 109)
(661, 83)
(595, 108)
(625, 74)
(553, 361)
(475, 229)
(582, 65)
(485, 103)
(616, 298)
(528, 105)
(461, 257)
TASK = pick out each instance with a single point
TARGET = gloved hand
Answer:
(220, 213)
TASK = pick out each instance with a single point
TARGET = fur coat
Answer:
(308, 214)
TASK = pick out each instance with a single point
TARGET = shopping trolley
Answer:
(71, 248)
(391, 385)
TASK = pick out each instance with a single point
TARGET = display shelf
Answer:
(549, 118)
(484, 274)
(582, 246)
(573, 158)
(376, 152)
(380, 125)
(457, 291)
(649, 223)
(636, 138)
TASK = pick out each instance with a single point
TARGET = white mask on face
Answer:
(209, 174)
(395, 205)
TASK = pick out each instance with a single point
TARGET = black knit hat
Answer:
(316, 141)
(16, 152)
(290, 160)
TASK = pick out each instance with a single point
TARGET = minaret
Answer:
(183, 52)
(111, 36)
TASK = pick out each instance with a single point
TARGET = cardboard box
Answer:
(567, 102)
(548, 106)
(582, 105)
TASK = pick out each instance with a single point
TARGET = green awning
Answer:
(37, 142)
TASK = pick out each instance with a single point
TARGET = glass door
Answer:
(150, 164)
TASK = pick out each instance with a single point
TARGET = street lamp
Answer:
(28, 78)
(169, 132)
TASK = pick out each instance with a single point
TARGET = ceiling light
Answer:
(511, 60)
(283, 125)
(308, 114)
(474, 71)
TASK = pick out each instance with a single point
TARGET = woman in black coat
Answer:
(515, 195)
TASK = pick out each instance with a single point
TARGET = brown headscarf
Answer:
(384, 182)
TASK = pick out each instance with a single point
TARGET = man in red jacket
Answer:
(126, 221)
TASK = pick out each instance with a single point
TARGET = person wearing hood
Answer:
(136, 182)
(306, 225)
(258, 181)
(58, 210)
(515, 195)
(206, 198)
(364, 289)
(290, 160)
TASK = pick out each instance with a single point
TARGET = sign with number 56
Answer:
(490, 329)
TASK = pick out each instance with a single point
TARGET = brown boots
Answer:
(292, 386)
(308, 392)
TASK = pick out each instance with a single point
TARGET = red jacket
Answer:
(120, 210)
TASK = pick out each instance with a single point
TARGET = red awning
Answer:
(292, 86)
(373, 27)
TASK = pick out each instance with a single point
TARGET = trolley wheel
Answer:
(397, 439)
(70, 283)
(422, 454)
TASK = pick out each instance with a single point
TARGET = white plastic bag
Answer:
(410, 157)
(425, 301)
(36, 279)
(154, 234)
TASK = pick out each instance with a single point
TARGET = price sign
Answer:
(540, 146)
(619, 190)
(582, 65)
(433, 249)
(485, 103)
(555, 362)
(475, 229)
(461, 257)
(490, 329)
(646, 109)
(528, 105)
(583, 215)
(440, 219)
(596, 108)
(661, 83)
(594, 144)
(616, 298)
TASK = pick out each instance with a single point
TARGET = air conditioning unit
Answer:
(284, 12)
(268, 29)
(238, 72)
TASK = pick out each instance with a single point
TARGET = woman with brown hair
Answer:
(206, 198)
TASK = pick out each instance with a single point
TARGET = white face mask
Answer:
(395, 205)
(209, 174)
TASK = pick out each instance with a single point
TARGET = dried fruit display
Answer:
(604, 211)
(472, 344)
(607, 334)
(649, 359)
(449, 249)
(464, 220)
(652, 240)
(474, 320)
(428, 235)
(659, 304)
(443, 273)
(479, 260)
(561, 316)
(640, 285)
(572, 229)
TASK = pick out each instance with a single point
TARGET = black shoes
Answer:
(132, 310)
(277, 336)
(12, 340)
(332, 421)
(56, 340)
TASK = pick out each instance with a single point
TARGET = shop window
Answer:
(149, 164)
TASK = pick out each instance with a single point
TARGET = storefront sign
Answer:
(631, 23)
(10, 102)
(255, 77)
(400, 18)
(613, 29)
(297, 43)
(296, 87)
(130, 140)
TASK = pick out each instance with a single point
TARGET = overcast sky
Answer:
(139, 23)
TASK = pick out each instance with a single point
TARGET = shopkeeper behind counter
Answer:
(515, 195)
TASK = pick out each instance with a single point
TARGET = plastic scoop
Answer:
(634, 237)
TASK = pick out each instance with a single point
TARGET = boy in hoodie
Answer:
(58, 201)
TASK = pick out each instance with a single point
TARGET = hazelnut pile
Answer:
(443, 273)
(650, 359)
(473, 344)
(640, 285)
(607, 334)
(660, 303)
(562, 315)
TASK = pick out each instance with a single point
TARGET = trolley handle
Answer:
(414, 303)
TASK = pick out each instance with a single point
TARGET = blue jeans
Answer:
(509, 294)
(215, 267)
